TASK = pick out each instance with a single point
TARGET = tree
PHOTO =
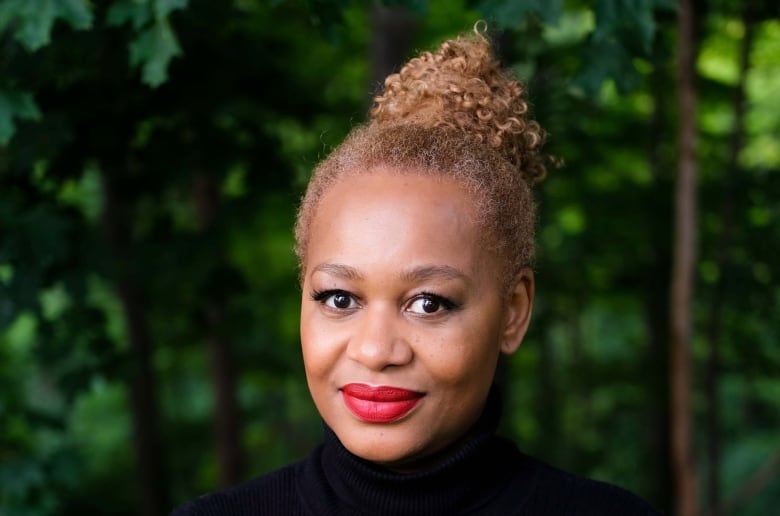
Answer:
(151, 160)
(683, 267)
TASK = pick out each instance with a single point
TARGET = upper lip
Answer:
(379, 393)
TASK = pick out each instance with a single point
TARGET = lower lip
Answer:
(385, 411)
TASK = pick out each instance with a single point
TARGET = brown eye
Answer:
(335, 299)
(429, 304)
(341, 300)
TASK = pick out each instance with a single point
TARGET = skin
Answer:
(385, 250)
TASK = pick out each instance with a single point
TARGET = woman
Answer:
(415, 242)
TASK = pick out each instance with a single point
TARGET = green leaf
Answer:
(15, 104)
(135, 12)
(606, 59)
(630, 21)
(551, 11)
(76, 12)
(505, 14)
(140, 12)
(510, 13)
(156, 44)
(36, 18)
(162, 8)
(153, 49)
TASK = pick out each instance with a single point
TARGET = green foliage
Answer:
(619, 32)
(31, 21)
(100, 177)
(155, 44)
(512, 14)
(15, 104)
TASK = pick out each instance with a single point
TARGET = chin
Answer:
(381, 448)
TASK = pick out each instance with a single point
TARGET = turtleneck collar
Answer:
(472, 474)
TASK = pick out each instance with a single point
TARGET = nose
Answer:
(378, 341)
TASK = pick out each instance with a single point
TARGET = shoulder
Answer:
(272, 493)
(560, 492)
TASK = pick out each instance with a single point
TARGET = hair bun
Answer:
(462, 85)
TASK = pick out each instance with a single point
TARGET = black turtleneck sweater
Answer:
(483, 475)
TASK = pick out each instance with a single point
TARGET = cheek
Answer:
(314, 347)
(461, 356)
(323, 345)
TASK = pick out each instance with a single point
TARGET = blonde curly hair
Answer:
(453, 113)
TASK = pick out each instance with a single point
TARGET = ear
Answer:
(519, 303)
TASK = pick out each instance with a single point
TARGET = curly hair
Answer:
(453, 113)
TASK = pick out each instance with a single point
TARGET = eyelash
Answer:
(445, 303)
(321, 296)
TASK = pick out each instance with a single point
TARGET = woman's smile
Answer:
(381, 404)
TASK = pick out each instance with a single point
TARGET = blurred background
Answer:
(152, 154)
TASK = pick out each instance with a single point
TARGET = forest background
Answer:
(152, 153)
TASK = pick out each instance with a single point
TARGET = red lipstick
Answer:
(381, 404)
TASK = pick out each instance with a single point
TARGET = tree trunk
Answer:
(226, 423)
(152, 478)
(683, 262)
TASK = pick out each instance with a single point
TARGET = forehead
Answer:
(402, 188)
(387, 215)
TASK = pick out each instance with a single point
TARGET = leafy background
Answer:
(152, 153)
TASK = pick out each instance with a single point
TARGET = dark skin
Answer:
(400, 292)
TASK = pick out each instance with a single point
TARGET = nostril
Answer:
(379, 343)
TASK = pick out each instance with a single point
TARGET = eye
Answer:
(427, 304)
(335, 299)
(340, 300)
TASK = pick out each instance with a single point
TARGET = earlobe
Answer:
(520, 302)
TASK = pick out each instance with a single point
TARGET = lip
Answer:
(381, 404)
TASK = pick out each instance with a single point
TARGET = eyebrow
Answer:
(338, 270)
(417, 274)
(430, 272)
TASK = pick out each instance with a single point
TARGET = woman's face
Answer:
(402, 316)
